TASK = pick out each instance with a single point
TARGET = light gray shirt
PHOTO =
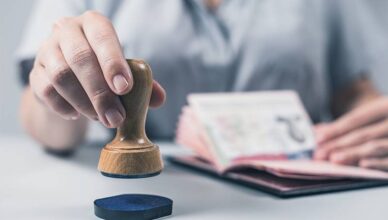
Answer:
(314, 47)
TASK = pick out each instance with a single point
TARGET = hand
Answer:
(80, 69)
(358, 138)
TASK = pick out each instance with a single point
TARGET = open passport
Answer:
(268, 132)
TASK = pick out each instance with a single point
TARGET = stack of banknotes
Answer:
(267, 131)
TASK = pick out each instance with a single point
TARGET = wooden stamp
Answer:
(131, 154)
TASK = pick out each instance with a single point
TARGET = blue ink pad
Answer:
(132, 206)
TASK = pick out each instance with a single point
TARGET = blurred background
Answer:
(14, 16)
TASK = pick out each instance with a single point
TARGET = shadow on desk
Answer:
(88, 154)
(184, 187)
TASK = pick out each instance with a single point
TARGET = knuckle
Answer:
(354, 119)
(92, 14)
(81, 56)
(334, 131)
(333, 146)
(363, 136)
(61, 75)
(328, 131)
(379, 149)
(374, 147)
(373, 144)
(42, 47)
(61, 22)
(60, 106)
(100, 95)
(112, 65)
(102, 37)
(49, 92)
(85, 107)
(369, 147)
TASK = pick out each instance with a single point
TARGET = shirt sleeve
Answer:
(38, 28)
(350, 54)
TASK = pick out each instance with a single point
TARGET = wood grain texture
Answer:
(131, 153)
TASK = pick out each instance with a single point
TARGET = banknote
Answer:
(248, 125)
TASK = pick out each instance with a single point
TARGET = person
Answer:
(321, 49)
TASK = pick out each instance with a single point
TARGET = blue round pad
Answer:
(132, 206)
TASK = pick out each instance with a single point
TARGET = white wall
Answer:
(13, 15)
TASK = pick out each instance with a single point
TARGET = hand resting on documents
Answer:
(358, 138)
(268, 131)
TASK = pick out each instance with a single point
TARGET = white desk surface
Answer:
(34, 185)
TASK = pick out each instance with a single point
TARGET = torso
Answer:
(241, 46)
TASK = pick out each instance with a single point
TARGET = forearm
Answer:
(48, 128)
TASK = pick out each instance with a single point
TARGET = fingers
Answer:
(353, 138)
(105, 44)
(355, 119)
(376, 163)
(83, 62)
(158, 95)
(64, 81)
(352, 156)
(47, 94)
(81, 69)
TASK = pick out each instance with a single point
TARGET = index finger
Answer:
(355, 119)
(103, 39)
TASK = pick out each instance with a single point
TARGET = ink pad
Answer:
(132, 206)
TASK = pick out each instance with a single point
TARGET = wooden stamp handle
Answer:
(136, 102)
(131, 154)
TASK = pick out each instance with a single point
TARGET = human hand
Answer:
(81, 69)
(358, 138)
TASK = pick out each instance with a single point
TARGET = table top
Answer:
(35, 185)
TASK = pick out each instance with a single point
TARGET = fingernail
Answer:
(113, 117)
(120, 83)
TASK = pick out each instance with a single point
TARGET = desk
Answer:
(35, 185)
